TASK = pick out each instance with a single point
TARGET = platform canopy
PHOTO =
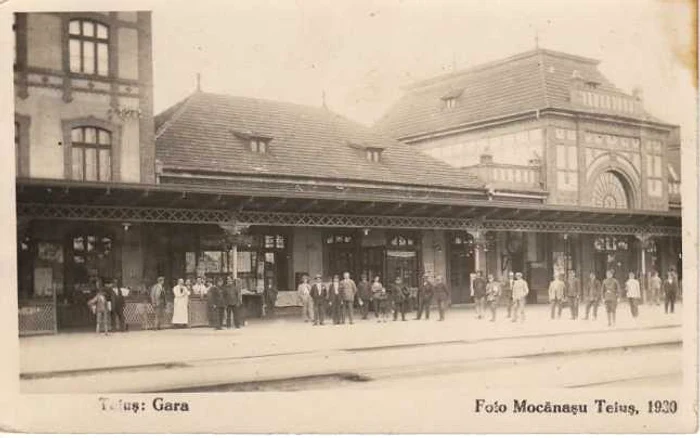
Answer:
(165, 203)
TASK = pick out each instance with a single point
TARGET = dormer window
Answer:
(374, 155)
(450, 98)
(258, 145)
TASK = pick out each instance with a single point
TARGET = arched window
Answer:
(88, 47)
(609, 192)
(91, 154)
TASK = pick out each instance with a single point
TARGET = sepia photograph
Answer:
(373, 216)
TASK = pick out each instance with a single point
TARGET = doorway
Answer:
(372, 263)
(461, 264)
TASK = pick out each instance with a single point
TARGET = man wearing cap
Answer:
(319, 295)
(425, 297)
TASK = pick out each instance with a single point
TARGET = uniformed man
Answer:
(611, 293)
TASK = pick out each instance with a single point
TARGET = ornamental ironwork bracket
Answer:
(218, 217)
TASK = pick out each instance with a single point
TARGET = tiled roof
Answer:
(203, 132)
(529, 81)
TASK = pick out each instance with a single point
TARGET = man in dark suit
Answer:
(319, 295)
(670, 288)
(364, 291)
(216, 302)
(335, 298)
(399, 298)
(270, 297)
(231, 301)
(479, 291)
(238, 309)
(425, 297)
(117, 300)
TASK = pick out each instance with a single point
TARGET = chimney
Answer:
(486, 157)
(638, 93)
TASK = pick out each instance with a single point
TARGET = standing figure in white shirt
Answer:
(634, 294)
(307, 306)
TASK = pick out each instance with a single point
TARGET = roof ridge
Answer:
(495, 63)
(177, 112)
(274, 101)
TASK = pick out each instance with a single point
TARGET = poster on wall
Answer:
(50, 252)
(43, 281)
(244, 261)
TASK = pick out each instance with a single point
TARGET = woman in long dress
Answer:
(180, 305)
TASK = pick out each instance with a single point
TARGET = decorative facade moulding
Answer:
(179, 215)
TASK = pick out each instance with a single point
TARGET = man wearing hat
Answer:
(319, 296)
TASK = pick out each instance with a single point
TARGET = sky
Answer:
(360, 53)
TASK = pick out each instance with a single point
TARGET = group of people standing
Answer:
(570, 292)
(224, 301)
(337, 298)
(489, 293)
(108, 306)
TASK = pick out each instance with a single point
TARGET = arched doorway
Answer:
(611, 190)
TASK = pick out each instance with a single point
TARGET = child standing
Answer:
(101, 309)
